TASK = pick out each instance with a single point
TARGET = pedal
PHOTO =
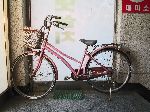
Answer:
(67, 78)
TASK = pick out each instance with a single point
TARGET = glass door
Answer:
(87, 19)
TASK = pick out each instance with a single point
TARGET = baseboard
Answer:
(140, 89)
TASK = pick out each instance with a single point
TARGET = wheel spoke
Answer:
(114, 61)
(31, 86)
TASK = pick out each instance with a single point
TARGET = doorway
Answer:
(87, 19)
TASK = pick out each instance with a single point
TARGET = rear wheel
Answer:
(118, 65)
(37, 86)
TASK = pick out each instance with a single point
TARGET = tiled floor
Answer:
(93, 101)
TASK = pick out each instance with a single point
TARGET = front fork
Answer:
(38, 62)
(41, 56)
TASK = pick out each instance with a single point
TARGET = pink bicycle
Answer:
(34, 73)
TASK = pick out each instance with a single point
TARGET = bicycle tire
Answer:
(117, 61)
(33, 87)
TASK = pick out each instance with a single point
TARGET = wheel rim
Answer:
(37, 86)
(120, 65)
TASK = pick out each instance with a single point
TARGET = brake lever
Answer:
(57, 25)
(56, 17)
(60, 27)
(50, 17)
(58, 22)
(63, 23)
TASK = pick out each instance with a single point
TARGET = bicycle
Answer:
(106, 68)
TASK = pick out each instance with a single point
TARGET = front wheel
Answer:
(109, 69)
(29, 85)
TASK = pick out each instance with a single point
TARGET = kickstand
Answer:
(110, 94)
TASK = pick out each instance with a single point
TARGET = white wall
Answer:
(89, 19)
(3, 67)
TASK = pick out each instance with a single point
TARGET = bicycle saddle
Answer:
(89, 42)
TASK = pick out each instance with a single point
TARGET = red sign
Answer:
(136, 6)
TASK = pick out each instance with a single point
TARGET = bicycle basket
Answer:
(32, 38)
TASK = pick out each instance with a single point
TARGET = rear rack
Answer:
(112, 44)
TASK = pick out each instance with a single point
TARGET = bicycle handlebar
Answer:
(45, 29)
(56, 17)
(50, 17)
(48, 22)
(58, 23)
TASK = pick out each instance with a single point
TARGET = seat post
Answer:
(84, 54)
(85, 51)
(83, 60)
(86, 48)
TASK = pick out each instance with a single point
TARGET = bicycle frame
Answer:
(60, 55)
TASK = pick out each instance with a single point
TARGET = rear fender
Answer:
(101, 48)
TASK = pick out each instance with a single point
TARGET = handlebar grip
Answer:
(58, 22)
(50, 17)
(64, 24)
(56, 17)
